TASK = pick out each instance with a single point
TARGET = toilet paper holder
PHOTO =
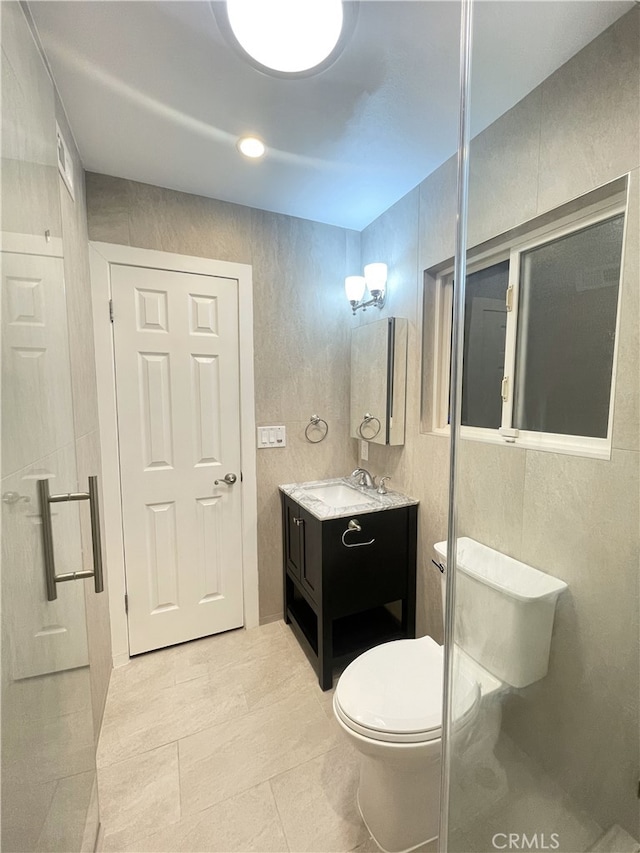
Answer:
(354, 527)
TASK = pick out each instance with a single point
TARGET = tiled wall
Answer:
(301, 328)
(576, 518)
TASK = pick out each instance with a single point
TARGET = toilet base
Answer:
(408, 850)
(400, 807)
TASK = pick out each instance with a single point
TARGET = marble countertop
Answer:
(323, 511)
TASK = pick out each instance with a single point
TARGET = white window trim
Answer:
(598, 448)
(442, 353)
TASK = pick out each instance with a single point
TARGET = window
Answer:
(541, 309)
(485, 326)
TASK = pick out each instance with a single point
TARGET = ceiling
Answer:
(154, 93)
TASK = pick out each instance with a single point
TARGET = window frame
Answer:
(511, 248)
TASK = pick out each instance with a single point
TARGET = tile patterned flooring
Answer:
(226, 744)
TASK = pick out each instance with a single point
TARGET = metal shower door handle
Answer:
(45, 500)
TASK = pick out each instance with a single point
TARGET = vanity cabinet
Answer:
(339, 581)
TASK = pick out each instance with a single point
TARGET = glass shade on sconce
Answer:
(375, 276)
(354, 286)
(374, 279)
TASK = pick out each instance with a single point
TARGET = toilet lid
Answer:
(393, 692)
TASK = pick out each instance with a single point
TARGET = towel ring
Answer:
(366, 421)
(315, 422)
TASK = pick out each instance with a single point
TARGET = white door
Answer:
(38, 443)
(177, 389)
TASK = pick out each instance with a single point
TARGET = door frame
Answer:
(101, 256)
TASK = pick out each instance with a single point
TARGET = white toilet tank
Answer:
(504, 613)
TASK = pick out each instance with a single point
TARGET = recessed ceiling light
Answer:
(251, 146)
(288, 37)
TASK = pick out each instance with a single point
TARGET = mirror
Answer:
(378, 381)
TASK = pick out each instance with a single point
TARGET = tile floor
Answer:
(226, 744)
(47, 774)
(527, 800)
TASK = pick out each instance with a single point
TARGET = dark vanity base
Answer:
(335, 597)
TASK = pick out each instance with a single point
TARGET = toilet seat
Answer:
(393, 693)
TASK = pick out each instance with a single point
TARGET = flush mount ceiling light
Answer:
(287, 38)
(251, 147)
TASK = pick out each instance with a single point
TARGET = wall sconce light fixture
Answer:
(374, 280)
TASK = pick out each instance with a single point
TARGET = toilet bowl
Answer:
(389, 700)
(389, 703)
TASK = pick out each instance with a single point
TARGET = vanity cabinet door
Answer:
(303, 546)
(366, 568)
(293, 538)
(311, 569)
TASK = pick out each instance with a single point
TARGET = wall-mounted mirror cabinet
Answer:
(378, 381)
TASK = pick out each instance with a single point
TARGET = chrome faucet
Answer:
(382, 489)
(365, 478)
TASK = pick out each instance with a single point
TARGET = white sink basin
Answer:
(338, 495)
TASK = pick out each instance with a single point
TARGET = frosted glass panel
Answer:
(47, 766)
(484, 337)
(566, 332)
(551, 764)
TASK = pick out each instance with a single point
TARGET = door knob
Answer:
(228, 480)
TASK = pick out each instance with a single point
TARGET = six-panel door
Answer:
(177, 381)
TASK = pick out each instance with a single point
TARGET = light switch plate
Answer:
(364, 450)
(272, 436)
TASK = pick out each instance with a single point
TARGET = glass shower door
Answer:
(545, 612)
(48, 746)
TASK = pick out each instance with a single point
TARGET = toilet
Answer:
(388, 701)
